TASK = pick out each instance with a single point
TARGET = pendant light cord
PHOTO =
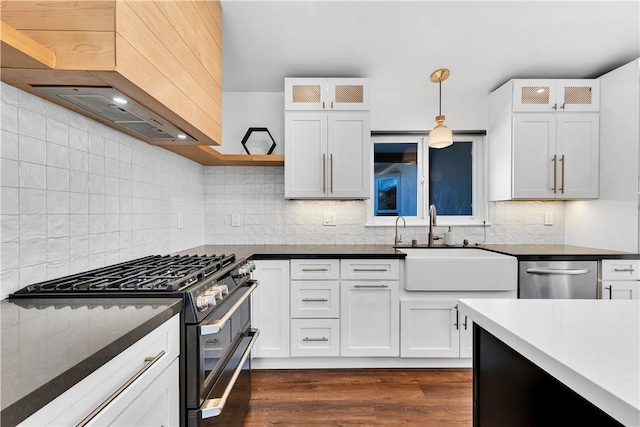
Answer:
(440, 98)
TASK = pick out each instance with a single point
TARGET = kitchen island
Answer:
(50, 345)
(553, 362)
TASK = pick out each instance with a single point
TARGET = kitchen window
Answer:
(408, 176)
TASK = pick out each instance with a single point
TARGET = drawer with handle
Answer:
(620, 269)
(370, 269)
(315, 298)
(315, 337)
(315, 269)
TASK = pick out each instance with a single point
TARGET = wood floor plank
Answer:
(361, 397)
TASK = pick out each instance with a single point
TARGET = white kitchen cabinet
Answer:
(620, 279)
(140, 386)
(369, 309)
(541, 155)
(430, 328)
(327, 155)
(326, 94)
(555, 156)
(270, 308)
(548, 95)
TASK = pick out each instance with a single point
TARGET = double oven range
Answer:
(216, 337)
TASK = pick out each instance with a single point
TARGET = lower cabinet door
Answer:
(429, 329)
(158, 404)
(315, 337)
(622, 289)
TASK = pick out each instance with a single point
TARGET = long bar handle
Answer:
(610, 291)
(370, 269)
(215, 326)
(315, 269)
(555, 173)
(465, 322)
(331, 175)
(371, 286)
(323, 339)
(149, 362)
(456, 324)
(214, 407)
(562, 174)
(314, 300)
(571, 272)
(324, 173)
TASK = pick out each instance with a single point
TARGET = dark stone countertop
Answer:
(49, 345)
(298, 251)
(522, 252)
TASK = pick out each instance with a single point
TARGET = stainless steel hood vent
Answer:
(111, 105)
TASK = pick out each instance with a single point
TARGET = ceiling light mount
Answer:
(441, 136)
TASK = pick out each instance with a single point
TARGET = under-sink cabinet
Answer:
(435, 328)
(140, 386)
(620, 279)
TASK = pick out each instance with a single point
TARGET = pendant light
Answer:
(441, 136)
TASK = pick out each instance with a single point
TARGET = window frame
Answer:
(479, 199)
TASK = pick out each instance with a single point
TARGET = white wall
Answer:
(78, 195)
(611, 222)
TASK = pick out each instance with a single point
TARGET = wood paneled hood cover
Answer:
(164, 55)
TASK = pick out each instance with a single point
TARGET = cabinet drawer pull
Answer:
(314, 300)
(324, 169)
(331, 167)
(623, 270)
(562, 174)
(370, 269)
(315, 269)
(149, 362)
(307, 339)
(371, 286)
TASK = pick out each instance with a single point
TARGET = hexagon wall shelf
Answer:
(248, 134)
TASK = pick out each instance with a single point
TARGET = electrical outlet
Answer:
(180, 221)
(235, 220)
(548, 218)
(329, 218)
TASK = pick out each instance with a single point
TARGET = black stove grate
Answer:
(156, 273)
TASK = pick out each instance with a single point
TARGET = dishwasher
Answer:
(558, 280)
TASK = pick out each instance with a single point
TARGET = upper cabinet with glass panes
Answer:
(326, 94)
(556, 95)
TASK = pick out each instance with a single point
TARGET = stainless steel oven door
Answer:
(210, 343)
(228, 401)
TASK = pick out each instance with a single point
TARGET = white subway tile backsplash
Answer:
(58, 225)
(97, 203)
(32, 124)
(58, 156)
(78, 225)
(57, 179)
(9, 173)
(59, 114)
(33, 227)
(10, 228)
(57, 132)
(97, 223)
(29, 275)
(78, 182)
(9, 118)
(78, 246)
(96, 164)
(78, 138)
(9, 148)
(57, 249)
(32, 201)
(32, 150)
(57, 202)
(33, 252)
(57, 268)
(32, 175)
(9, 254)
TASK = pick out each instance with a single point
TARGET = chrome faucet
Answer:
(432, 223)
(399, 239)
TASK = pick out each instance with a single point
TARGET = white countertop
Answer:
(592, 346)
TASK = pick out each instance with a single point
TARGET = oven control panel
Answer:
(246, 269)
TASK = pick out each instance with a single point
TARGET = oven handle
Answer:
(215, 326)
(214, 407)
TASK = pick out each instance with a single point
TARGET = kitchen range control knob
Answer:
(246, 268)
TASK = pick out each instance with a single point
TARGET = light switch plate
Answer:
(548, 218)
(180, 221)
(235, 220)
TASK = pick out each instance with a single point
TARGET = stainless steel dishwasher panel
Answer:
(558, 280)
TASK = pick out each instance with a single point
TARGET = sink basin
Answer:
(445, 269)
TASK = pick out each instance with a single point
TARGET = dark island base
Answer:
(509, 390)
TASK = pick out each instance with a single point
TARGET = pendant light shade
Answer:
(441, 136)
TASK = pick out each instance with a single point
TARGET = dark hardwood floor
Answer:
(361, 397)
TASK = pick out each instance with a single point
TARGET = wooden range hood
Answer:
(164, 55)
